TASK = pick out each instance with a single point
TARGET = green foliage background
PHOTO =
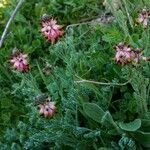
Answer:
(89, 116)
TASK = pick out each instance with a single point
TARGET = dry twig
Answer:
(9, 21)
(104, 19)
(101, 83)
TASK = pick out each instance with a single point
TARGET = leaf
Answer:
(131, 126)
(145, 123)
(108, 121)
(92, 87)
(122, 21)
(113, 132)
(5, 103)
(105, 148)
(93, 111)
(15, 146)
(143, 138)
(5, 117)
(97, 114)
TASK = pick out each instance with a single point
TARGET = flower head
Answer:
(48, 109)
(143, 17)
(50, 29)
(19, 61)
(126, 54)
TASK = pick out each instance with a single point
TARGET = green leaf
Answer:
(5, 103)
(113, 132)
(105, 148)
(107, 120)
(93, 111)
(143, 138)
(97, 114)
(131, 126)
(145, 123)
(15, 146)
(6, 117)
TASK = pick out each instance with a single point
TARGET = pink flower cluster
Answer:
(144, 17)
(19, 61)
(50, 29)
(48, 109)
(126, 54)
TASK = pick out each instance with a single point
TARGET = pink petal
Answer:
(16, 64)
(41, 110)
(145, 23)
(46, 113)
(140, 19)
